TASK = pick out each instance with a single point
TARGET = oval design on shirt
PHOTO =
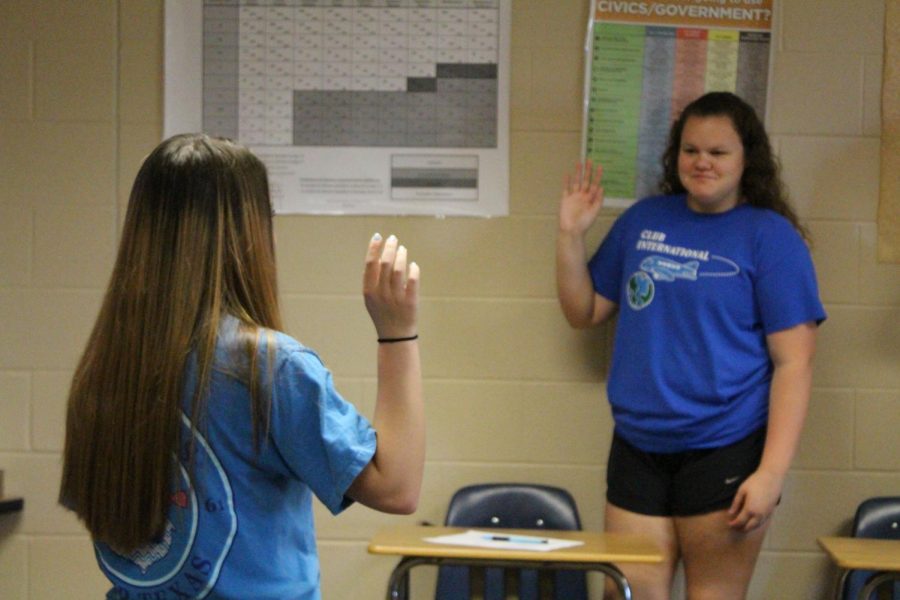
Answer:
(200, 528)
(640, 290)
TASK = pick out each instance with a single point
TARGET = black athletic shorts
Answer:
(680, 484)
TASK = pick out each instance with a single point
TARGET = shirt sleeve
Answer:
(605, 266)
(786, 289)
(322, 438)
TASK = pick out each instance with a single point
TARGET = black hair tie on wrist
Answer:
(399, 339)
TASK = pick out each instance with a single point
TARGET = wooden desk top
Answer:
(597, 547)
(863, 553)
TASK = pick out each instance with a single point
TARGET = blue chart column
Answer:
(220, 67)
(656, 107)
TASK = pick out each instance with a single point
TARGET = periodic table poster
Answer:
(646, 60)
(356, 106)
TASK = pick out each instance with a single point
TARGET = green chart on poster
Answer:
(647, 60)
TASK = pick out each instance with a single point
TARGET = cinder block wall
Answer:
(512, 393)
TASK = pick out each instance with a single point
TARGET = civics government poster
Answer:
(646, 60)
(394, 107)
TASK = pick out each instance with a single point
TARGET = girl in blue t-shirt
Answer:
(711, 371)
(197, 431)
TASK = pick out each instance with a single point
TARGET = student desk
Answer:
(598, 552)
(866, 554)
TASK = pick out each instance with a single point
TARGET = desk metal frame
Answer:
(398, 584)
(875, 581)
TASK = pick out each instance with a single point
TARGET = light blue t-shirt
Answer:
(243, 527)
(697, 295)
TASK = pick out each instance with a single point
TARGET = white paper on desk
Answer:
(503, 541)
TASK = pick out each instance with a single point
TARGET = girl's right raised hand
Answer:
(391, 288)
(582, 197)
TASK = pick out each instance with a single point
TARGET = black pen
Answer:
(515, 539)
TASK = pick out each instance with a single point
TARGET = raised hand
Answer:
(390, 288)
(392, 481)
(582, 197)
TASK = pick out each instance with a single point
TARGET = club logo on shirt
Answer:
(200, 528)
(640, 290)
(666, 269)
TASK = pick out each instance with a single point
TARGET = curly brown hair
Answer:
(761, 183)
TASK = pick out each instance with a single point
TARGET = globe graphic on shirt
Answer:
(640, 290)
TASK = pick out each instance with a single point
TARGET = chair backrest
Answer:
(875, 518)
(511, 506)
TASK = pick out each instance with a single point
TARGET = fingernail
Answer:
(392, 238)
(402, 247)
(376, 237)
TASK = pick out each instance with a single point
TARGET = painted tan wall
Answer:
(512, 393)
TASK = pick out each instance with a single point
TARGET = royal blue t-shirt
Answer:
(242, 527)
(697, 295)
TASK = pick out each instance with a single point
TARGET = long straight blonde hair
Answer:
(197, 245)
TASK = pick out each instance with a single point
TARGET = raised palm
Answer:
(582, 198)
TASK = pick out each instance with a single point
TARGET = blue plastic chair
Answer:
(511, 506)
(875, 518)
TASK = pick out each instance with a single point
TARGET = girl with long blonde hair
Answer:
(197, 431)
